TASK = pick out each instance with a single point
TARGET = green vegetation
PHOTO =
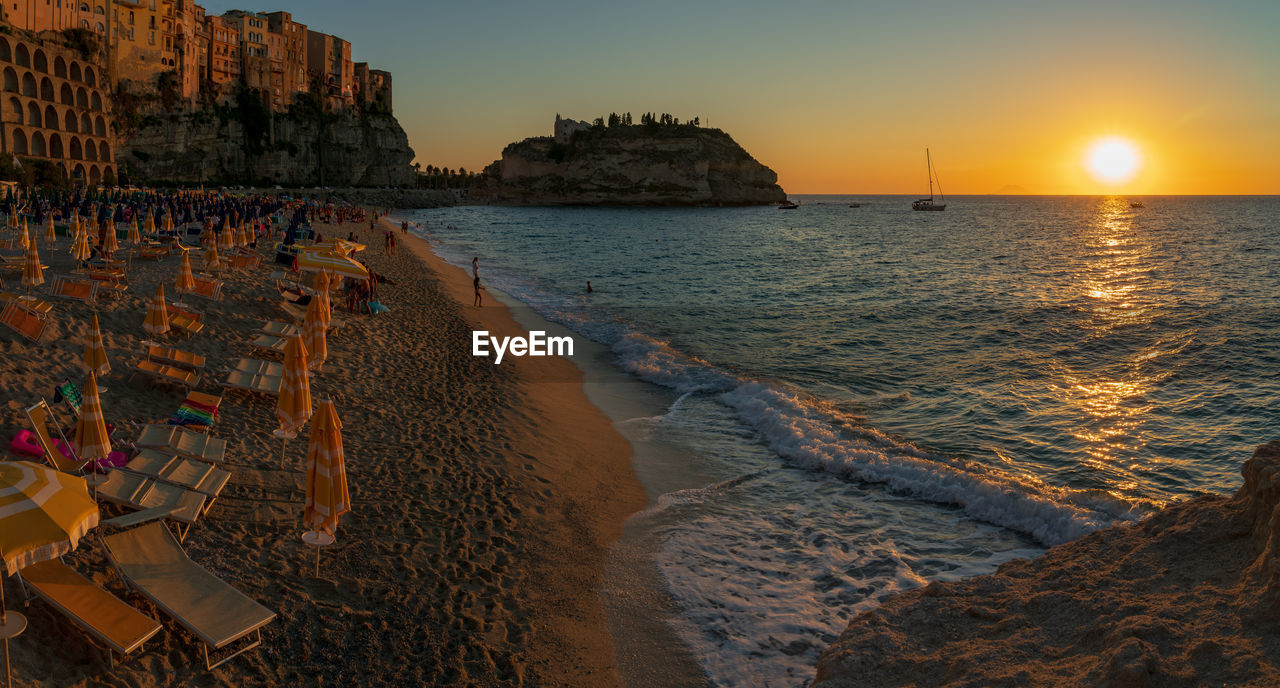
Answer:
(82, 41)
(33, 172)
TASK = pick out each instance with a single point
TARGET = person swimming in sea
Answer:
(589, 289)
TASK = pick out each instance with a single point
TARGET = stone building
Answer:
(329, 59)
(373, 87)
(143, 40)
(55, 107)
(293, 58)
(42, 15)
(564, 128)
(224, 54)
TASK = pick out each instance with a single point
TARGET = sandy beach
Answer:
(484, 497)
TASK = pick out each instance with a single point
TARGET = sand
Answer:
(484, 497)
(1187, 597)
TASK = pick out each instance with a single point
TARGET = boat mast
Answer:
(928, 164)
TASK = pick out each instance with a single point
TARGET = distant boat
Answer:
(787, 205)
(855, 205)
(1136, 204)
(927, 203)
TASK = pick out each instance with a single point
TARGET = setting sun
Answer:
(1112, 160)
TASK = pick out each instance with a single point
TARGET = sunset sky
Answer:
(839, 97)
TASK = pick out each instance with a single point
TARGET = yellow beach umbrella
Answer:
(157, 321)
(211, 257)
(327, 496)
(151, 223)
(110, 244)
(293, 406)
(95, 352)
(134, 237)
(313, 334)
(50, 234)
(91, 430)
(322, 295)
(226, 241)
(186, 281)
(23, 238)
(80, 249)
(32, 270)
(331, 262)
(243, 236)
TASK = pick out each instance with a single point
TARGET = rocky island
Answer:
(659, 162)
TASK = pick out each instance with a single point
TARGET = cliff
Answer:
(630, 165)
(225, 145)
(1188, 597)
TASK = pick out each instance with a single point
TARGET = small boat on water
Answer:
(787, 205)
(929, 203)
(855, 205)
(1136, 204)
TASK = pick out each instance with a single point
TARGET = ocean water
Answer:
(876, 398)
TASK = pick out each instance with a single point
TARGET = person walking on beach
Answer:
(479, 299)
(475, 267)
(404, 226)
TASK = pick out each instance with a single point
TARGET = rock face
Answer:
(201, 147)
(630, 165)
(1188, 597)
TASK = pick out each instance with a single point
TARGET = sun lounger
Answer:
(279, 329)
(244, 260)
(173, 357)
(134, 491)
(153, 252)
(185, 325)
(257, 366)
(31, 303)
(183, 309)
(193, 475)
(267, 342)
(22, 321)
(67, 288)
(60, 455)
(103, 274)
(175, 440)
(337, 322)
(197, 412)
(208, 288)
(257, 384)
(167, 373)
(114, 624)
(152, 562)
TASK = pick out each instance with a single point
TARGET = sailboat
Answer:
(927, 203)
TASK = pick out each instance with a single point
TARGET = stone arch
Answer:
(75, 71)
(100, 27)
(89, 77)
(10, 80)
(46, 89)
(19, 146)
(15, 110)
(82, 98)
(78, 172)
(51, 118)
(5, 53)
(95, 175)
(90, 151)
(70, 122)
(86, 124)
(104, 152)
(67, 96)
(100, 126)
(37, 145)
(55, 147)
(106, 172)
(22, 56)
(29, 85)
(33, 115)
(75, 151)
(95, 101)
(39, 62)
(59, 67)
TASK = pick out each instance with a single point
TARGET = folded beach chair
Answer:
(257, 366)
(152, 562)
(166, 373)
(175, 440)
(57, 452)
(112, 623)
(279, 329)
(135, 491)
(183, 309)
(208, 288)
(193, 475)
(257, 384)
(67, 288)
(197, 412)
(173, 357)
(268, 342)
(22, 321)
(337, 323)
(185, 325)
(31, 303)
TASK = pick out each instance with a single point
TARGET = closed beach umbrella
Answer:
(186, 281)
(50, 234)
(135, 237)
(80, 248)
(110, 244)
(322, 295)
(226, 241)
(151, 223)
(32, 270)
(327, 496)
(211, 257)
(331, 262)
(157, 321)
(23, 238)
(95, 352)
(293, 406)
(91, 430)
(313, 334)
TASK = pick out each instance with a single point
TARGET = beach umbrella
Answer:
(80, 249)
(313, 334)
(226, 240)
(43, 515)
(151, 223)
(95, 352)
(91, 430)
(157, 321)
(110, 244)
(322, 295)
(23, 238)
(186, 281)
(327, 496)
(243, 236)
(211, 257)
(32, 270)
(134, 237)
(50, 234)
(293, 405)
(331, 262)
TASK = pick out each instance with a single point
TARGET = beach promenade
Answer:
(483, 497)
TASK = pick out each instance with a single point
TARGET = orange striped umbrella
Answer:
(32, 270)
(110, 244)
(151, 223)
(43, 513)
(313, 333)
(226, 241)
(80, 248)
(293, 406)
(134, 237)
(91, 430)
(157, 321)
(211, 257)
(322, 295)
(23, 237)
(186, 281)
(50, 234)
(95, 352)
(327, 496)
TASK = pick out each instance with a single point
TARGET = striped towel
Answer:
(194, 414)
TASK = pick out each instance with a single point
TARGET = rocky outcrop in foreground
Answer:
(1188, 597)
(630, 165)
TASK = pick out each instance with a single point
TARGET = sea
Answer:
(861, 400)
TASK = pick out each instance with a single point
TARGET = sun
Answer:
(1113, 160)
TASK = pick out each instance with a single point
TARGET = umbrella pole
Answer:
(317, 561)
(284, 443)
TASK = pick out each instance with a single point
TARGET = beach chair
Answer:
(67, 288)
(255, 384)
(185, 443)
(133, 491)
(31, 303)
(151, 561)
(257, 366)
(337, 323)
(58, 453)
(208, 288)
(241, 259)
(173, 357)
(184, 310)
(185, 325)
(279, 329)
(112, 623)
(166, 373)
(267, 342)
(197, 412)
(22, 321)
(193, 475)
(102, 273)
(153, 252)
